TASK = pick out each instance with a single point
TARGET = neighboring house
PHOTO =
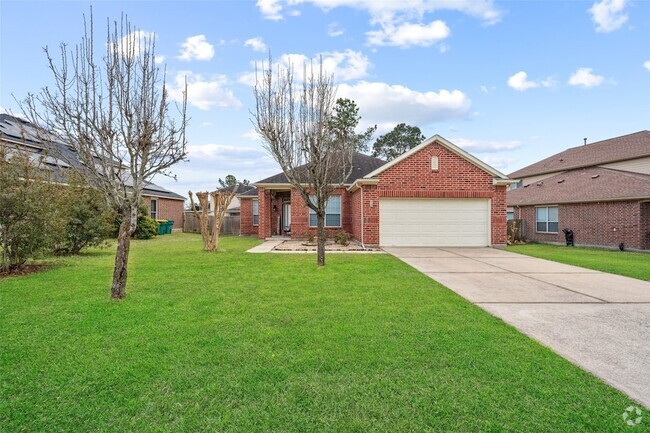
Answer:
(436, 194)
(234, 207)
(601, 191)
(18, 133)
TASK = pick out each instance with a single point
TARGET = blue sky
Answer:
(511, 82)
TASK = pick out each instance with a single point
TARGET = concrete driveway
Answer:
(599, 321)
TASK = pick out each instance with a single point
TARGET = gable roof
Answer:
(238, 188)
(631, 146)
(445, 143)
(58, 155)
(583, 185)
(361, 165)
(251, 193)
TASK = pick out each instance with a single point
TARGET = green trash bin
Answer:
(162, 227)
(170, 225)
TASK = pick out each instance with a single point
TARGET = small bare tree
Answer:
(295, 125)
(113, 111)
(210, 232)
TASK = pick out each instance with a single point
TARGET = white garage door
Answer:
(434, 222)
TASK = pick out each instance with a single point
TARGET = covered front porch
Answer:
(275, 213)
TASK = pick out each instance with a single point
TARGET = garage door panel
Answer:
(434, 222)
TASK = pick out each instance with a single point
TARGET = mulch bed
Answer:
(329, 246)
(24, 270)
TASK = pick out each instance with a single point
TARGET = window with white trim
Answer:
(546, 219)
(153, 208)
(332, 212)
(256, 214)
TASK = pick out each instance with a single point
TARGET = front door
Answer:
(286, 218)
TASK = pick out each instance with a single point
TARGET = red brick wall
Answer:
(246, 218)
(456, 178)
(300, 215)
(602, 224)
(168, 210)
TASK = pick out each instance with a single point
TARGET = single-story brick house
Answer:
(436, 194)
(601, 191)
(18, 133)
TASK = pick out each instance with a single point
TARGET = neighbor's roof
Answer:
(361, 165)
(631, 146)
(238, 188)
(57, 155)
(250, 193)
(583, 185)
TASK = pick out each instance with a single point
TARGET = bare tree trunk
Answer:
(127, 228)
(118, 288)
(322, 237)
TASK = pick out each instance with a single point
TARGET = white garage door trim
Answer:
(441, 222)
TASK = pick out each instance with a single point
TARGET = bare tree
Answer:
(113, 111)
(295, 125)
(210, 232)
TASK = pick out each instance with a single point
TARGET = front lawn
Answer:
(242, 342)
(627, 263)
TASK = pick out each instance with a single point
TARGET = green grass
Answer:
(627, 263)
(242, 342)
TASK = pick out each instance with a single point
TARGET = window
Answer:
(546, 218)
(153, 209)
(434, 163)
(510, 215)
(332, 212)
(256, 214)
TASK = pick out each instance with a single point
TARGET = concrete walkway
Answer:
(599, 321)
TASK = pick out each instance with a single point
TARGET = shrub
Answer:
(87, 218)
(147, 228)
(342, 238)
(30, 218)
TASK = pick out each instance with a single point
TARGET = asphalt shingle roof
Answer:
(631, 146)
(583, 185)
(57, 155)
(361, 166)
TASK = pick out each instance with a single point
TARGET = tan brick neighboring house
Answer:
(18, 133)
(601, 191)
(436, 194)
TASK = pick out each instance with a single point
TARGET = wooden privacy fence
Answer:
(230, 224)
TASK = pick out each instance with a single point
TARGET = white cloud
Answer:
(343, 65)
(498, 162)
(487, 90)
(387, 10)
(257, 44)
(519, 81)
(408, 34)
(608, 15)
(159, 59)
(270, 9)
(586, 78)
(203, 93)
(399, 22)
(334, 29)
(646, 65)
(252, 135)
(443, 48)
(387, 105)
(486, 146)
(134, 43)
(196, 48)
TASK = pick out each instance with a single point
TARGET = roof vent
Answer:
(595, 176)
(561, 180)
(585, 139)
(540, 183)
